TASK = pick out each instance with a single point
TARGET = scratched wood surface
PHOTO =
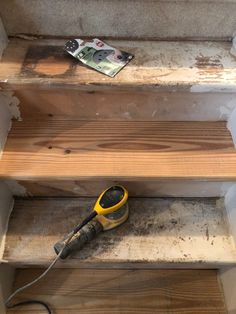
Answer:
(160, 232)
(74, 150)
(123, 291)
(163, 65)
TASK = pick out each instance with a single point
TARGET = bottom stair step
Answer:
(86, 291)
(160, 232)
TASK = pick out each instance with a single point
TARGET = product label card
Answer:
(98, 55)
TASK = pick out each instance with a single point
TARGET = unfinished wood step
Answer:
(128, 19)
(122, 291)
(66, 152)
(165, 81)
(169, 232)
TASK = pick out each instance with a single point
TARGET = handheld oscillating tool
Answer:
(110, 211)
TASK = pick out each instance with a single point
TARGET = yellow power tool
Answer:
(110, 211)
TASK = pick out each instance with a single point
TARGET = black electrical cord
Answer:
(31, 302)
(68, 238)
(7, 303)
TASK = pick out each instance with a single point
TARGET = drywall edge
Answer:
(6, 206)
(6, 199)
(6, 281)
(231, 124)
(228, 275)
(6, 271)
(3, 38)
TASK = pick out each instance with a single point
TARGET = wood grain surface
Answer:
(71, 291)
(74, 150)
(157, 64)
(160, 232)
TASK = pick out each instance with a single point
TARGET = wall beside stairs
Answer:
(3, 38)
(6, 199)
(228, 275)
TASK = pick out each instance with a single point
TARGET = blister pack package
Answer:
(98, 55)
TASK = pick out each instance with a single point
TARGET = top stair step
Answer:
(154, 19)
(162, 66)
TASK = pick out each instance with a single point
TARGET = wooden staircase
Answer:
(162, 128)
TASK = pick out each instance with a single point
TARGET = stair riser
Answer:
(124, 105)
(168, 188)
(137, 19)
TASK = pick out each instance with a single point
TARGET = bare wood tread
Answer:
(73, 150)
(185, 65)
(170, 232)
(122, 291)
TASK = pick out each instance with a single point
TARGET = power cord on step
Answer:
(7, 302)
(32, 302)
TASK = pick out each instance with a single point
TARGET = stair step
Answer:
(160, 232)
(165, 81)
(158, 64)
(64, 150)
(122, 291)
(138, 19)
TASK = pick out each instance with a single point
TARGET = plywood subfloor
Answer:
(192, 66)
(73, 150)
(159, 233)
(71, 291)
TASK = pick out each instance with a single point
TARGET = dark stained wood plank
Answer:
(157, 64)
(123, 291)
(74, 150)
(160, 232)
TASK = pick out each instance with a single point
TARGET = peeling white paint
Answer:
(8, 109)
(8, 99)
(231, 124)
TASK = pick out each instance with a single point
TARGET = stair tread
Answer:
(179, 232)
(54, 149)
(189, 66)
(122, 291)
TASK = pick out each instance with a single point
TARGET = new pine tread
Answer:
(71, 149)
